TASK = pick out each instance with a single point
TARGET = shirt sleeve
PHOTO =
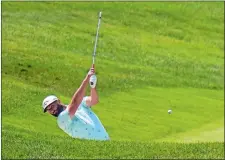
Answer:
(64, 119)
(83, 103)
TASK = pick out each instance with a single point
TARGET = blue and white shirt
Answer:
(84, 125)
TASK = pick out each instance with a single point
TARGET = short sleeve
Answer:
(83, 103)
(64, 119)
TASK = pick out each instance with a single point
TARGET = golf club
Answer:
(96, 40)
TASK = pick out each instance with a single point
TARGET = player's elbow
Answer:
(95, 101)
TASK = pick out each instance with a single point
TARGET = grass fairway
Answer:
(151, 57)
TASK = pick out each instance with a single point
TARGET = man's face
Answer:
(55, 108)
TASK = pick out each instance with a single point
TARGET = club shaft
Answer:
(96, 38)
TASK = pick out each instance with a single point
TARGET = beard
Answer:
(60, 108)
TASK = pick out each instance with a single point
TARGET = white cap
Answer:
(48, 100)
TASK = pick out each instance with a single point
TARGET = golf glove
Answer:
(93, 81)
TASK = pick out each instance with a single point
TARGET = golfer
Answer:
(77, 119)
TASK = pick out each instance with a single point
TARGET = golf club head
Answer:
(100, 14)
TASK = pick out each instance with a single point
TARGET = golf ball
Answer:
(169, 111)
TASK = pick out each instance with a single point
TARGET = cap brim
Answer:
(48, 105)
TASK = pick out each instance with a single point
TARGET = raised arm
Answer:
(79, 94)
(93, 98)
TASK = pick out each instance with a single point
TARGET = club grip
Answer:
(93, 66)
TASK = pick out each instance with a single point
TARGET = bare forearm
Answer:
(78, 95)
(94, 96)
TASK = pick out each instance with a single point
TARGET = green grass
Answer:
(151, 57)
